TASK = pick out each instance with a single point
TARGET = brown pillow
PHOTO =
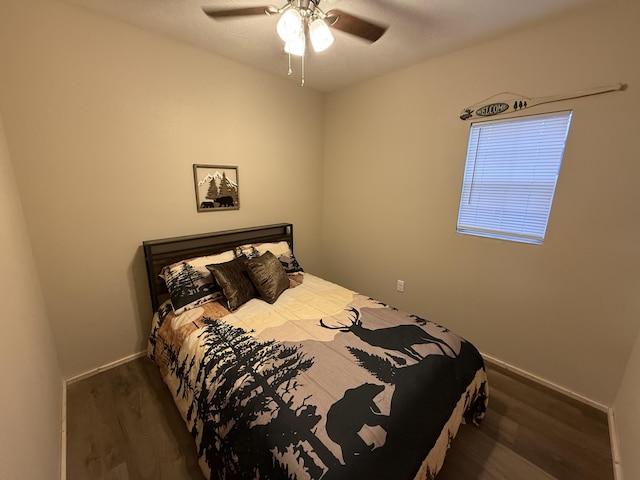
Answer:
(268, 275)
(234, 281)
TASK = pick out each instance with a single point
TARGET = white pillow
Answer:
(189, 282)
(281, 250)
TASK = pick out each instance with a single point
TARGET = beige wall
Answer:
(566, 311)
(627, 416)
(104, 122)
(31, 399)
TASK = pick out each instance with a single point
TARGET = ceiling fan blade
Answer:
(359, 27)
(238, 12)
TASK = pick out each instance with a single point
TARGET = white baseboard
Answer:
(613, 433)
(63, 428)
(615, 445)
(108, 366)
(547, 383)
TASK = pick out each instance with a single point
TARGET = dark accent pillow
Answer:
(233, 279)
(268, 276)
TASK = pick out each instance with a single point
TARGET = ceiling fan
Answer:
(302, 22)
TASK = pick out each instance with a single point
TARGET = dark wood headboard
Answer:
(163, 252)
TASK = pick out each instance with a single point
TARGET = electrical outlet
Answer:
(400, 286)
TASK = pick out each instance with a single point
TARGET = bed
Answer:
(295, 377)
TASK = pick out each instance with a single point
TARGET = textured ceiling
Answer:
(418, 30)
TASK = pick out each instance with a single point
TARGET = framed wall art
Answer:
(216, 187)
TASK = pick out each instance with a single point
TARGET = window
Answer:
(510, 176)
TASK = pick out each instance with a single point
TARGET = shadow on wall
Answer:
(140, 296)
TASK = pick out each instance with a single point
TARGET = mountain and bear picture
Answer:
(216, 187)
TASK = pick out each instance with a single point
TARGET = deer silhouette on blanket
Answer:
(400, 338)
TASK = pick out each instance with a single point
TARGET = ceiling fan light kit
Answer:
(296, 47)
(321, 36)
(290, 25)
(302, 21)
(304, 16)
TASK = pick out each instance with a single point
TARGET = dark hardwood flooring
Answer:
(531, 432)
(122, 424)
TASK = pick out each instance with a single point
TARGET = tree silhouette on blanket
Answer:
(244, 411)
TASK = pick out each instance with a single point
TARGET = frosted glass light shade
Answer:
(297, 46)
(321, 37)
(290, 25)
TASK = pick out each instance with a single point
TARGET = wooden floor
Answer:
(122, 424)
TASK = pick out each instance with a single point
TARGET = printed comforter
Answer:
(325, 383)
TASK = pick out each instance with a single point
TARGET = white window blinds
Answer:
(510, 176)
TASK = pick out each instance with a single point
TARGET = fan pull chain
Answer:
(290, 71)
(302, 80)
